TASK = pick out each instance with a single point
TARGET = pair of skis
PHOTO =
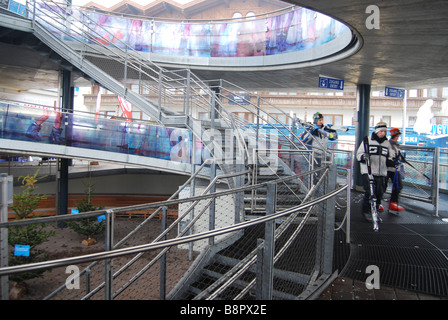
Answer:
(372, 199)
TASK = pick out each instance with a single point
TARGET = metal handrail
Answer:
(164, 243)
(228, 278)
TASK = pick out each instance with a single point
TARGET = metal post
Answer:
(187, 96)
(63, 189)
(328, 224)
(269, 243)
(108, 274)
(163, 258)
(348, 212)
(239, 196)
(211, 219)
(6, 199)
(435, 181)
(259, 270)
(67, 106)
(160, 95)
(362, 127)
(192, 193)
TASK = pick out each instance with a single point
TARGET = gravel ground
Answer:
(67, 243)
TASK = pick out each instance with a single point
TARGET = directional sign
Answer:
(330, 83)
(394, 92)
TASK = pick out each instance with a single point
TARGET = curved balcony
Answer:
(297, 37)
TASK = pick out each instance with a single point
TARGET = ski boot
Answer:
(395, 208)
(33, 132)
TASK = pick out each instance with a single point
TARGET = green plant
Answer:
(25, 203)
(87, 226)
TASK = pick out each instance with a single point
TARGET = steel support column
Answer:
(362, 125)
(67, 106)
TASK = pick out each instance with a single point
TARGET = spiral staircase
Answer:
(256, 165)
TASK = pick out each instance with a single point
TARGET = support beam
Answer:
(362, 126)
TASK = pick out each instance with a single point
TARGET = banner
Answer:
(126, 108)
(98, 106)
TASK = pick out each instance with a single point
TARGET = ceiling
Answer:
(409, 50)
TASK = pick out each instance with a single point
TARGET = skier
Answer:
(318, 136)
(379, 152)
(393, 173)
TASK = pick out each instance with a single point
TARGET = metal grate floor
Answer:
(410, 250)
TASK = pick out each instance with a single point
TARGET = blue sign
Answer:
(394, 92)
(241, 98)
(101, 218)
(439, 129)
(330, 83)
(74, 211)
(22, 250)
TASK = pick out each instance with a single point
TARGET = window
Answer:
(334, 119)
(237, 15)
(433, 93)
(413, 93)
(445, 92)
(204, 116)
(279, 117)
(244, 116)
(250, 14)
(411, 121)
(386, 119)
(137, 115)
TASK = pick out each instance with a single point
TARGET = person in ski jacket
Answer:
(393, 173)
(380, 154)
(318, 135)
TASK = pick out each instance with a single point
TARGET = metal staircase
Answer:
(227, 269)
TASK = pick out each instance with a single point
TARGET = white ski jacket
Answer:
(380, 153)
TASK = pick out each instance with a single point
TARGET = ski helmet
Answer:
(317, 116)
(394, 132)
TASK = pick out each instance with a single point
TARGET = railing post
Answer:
(6, 199)
(259, 270)
(163, 258)
(348, 212)
(187, 94)
(435, 181)
(328, 220)
(108, 274)
(266, 269)
(160, 95)
(211, 219)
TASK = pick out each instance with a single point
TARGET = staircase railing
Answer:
(196, 96)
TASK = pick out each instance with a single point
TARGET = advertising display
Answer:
(300, 29)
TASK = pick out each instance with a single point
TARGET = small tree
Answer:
(88, 226)
(34, 234)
